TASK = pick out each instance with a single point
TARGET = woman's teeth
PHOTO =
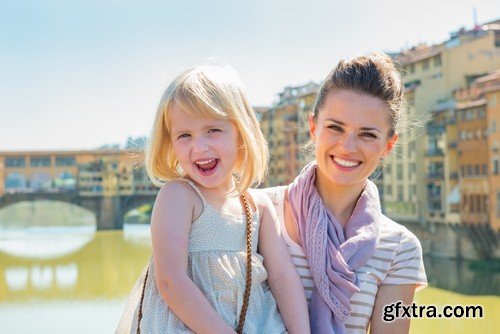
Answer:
(345, 163)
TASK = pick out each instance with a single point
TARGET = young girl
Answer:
(211, 235)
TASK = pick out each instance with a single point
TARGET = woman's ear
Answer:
(312, 126)
(391, 143)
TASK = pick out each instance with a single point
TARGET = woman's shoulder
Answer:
(275, 194)
(261, 197)
(390, 230)
(407, 266)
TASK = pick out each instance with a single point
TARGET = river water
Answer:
(73, 279)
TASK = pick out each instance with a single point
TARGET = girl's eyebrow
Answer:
(343, 124)
(206, 127)
(178, 132)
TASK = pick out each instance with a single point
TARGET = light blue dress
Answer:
(217, 265)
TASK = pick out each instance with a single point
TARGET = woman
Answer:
(352, 259)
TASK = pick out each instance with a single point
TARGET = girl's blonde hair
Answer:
(213, 91)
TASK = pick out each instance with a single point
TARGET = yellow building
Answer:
(477, 115)
(427, 167)
(286, 130)
(492, 95)
(91, 173)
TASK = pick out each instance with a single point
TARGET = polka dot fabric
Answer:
(216, 264)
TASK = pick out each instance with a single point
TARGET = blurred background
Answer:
(79, 85)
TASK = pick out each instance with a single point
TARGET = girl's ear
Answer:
(312, 127)
(391, 143)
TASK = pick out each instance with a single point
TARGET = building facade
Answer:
(90, 173)
(286, 129)
(423, 184)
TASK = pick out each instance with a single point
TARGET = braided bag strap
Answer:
(248, 281)
(139, 317)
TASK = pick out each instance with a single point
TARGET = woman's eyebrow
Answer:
(334, 121)
(342, 123)
(371, 129)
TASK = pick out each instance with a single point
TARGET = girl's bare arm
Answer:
(170, 224)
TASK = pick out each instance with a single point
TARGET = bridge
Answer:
(108, 183)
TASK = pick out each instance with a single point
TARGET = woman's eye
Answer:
(369, 135)
(335, 128)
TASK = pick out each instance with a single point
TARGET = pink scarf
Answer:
(333, 254)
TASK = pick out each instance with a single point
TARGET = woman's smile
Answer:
(345, 164)
(351, 136)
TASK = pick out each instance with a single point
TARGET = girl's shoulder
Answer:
(181, 191)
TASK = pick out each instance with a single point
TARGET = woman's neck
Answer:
(340, 200)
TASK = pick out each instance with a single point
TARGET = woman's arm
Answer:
(390, 295)
(170, 225)
(283, 279)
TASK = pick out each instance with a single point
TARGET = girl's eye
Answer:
(214, 130)
(184, 135)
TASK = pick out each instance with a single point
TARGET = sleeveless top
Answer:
(397, 260)
(217, 264)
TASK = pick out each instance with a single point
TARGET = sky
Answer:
(79, 74)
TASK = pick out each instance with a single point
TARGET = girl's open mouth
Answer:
(208, 166)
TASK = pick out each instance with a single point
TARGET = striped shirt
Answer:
(397, 260)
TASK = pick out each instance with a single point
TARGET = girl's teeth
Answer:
(345, 163)
(205, 162)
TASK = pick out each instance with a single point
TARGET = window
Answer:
(481, 113)
(40, 161)
(437, 60)
(400, 193)
(411, 148)
(15, 162)
(399, 171)
(65, 161)
(388, 190)
(495, 166)
(412, 168)
(492, 103)
(461, 135)
(413, 191)
(425, 64)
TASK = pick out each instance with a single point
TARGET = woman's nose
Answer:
(348, 142)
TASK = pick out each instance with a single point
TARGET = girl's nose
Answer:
(201, 145)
